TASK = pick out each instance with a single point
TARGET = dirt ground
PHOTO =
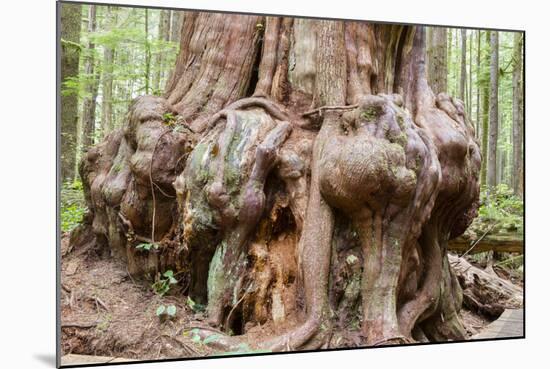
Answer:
(106, 312)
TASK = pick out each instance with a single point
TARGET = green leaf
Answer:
(196, 339)
(160, 310)
(171, 310)
(168, 274)
(211, 338)
(144, 246)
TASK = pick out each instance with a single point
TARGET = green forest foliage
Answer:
(476, 76)
(500, 212)
(125, 32)
(73, 205)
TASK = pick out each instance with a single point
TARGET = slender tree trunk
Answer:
(71, 19)
(92, 84)
(462, 89)
(147, 75)
(175, 26)
(493, 113)
(107, 122)
(470, 72)
(501, 157)
(485, 81)
(437, 59)
(478, 90)
(517, 127)
(163, 36)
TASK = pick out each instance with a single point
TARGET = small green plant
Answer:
(196, 307)
(163, 282)
(196, 338)
(147, 246)
(370, 114)
(169, 118)
(166, 312)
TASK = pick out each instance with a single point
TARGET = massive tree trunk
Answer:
(71, 15)
(301, 176)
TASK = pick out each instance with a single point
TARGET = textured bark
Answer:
(299, 175)
(493, 113)
(437, 59)
(92, 85)
(71, 15)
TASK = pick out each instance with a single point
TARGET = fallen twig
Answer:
(79, 325)
(479, 240)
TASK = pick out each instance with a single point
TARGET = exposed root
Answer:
(270, 107)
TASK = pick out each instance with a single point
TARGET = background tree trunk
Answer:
(470, 73)
(517, 127)
(493, 113)
(107, 123)
(176, 18)
(147, 75)
(478, 89)
(71, 15)
(92, 84)
(163, 36)
(485, 91)
(462, 89)
(437, 59)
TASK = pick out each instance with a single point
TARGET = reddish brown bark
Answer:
(299, 174)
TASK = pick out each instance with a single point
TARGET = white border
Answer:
(27, 153)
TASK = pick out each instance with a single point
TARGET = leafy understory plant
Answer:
(163, 283)
(196, 307)
(147, 246)
(166, 312)
(196, 338)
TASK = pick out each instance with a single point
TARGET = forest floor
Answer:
(106, 312)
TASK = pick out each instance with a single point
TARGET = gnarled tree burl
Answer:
(301, 177)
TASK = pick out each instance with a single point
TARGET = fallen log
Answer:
(497, 243)
(484, 292)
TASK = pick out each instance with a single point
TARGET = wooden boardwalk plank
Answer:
(510, 324)
(73, 359)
